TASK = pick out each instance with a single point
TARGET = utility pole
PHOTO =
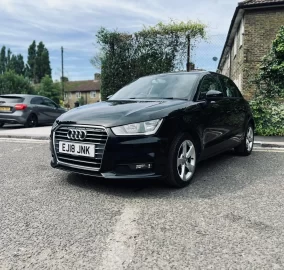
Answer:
(188, 66)
(62, 77)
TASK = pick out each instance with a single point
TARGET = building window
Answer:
(236, 81)
(93, 94)
(241, 33)
(70, 95)
(235, 46)
(240, 82)
(65, 95)
(78, 94)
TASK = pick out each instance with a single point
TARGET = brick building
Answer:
(253, 28)
(88, 90)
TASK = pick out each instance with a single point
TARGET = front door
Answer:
(51, 110)
(238, 109)
(214, 116)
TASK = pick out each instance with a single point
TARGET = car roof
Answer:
(19, 95)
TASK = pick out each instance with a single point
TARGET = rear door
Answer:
(39, 109)
(238, 108)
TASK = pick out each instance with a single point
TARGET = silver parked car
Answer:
(29, 110)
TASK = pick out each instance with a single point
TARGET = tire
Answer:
(32, 121)
(246, 146)
(182, 161)
(1, 125)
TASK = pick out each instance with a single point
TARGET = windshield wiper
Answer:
(158, 98)
(174, 98)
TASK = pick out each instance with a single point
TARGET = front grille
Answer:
(95, 135)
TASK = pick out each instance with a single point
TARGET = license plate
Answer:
(5, 109)
(77, 149)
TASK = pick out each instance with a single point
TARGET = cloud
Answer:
(73, 24)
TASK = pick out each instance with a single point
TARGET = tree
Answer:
(267, 106)
(81, 101)
(8, 60)
(19, 68)
(49, 89)
(125, 57)
(38, 62)
(3, 60)
(65, 79)
(271, 78)
(42, 63)
(31, 63)
(12, 83)
(11, 62)
(16, 64)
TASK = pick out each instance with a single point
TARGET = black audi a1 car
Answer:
(159, 126)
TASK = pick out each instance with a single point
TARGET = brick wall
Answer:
(237, 62)
(234, 63)
(260, 26)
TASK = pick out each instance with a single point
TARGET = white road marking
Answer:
(121, 243)
(269, 150)
(17, 150)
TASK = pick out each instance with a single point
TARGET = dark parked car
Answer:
(28, 110)
(157, 126)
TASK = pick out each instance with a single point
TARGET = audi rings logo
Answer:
(77, 134)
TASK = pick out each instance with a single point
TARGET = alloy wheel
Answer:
(32, 121)
(186, 160)
(249, 139)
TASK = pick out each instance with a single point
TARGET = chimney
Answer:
(97, 76)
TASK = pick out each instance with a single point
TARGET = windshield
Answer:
(172, 86)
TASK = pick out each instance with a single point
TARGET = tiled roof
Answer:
(82, 86)
(256, 2)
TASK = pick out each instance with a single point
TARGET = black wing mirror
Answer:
(213, 95)
(109, 97)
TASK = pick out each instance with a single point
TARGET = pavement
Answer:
(18, 131)
(269, 141)
(230, 217)
(43, 133)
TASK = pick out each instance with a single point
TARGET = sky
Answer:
(73, 24)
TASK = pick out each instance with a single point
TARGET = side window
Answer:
(231, 90)
(49, 103)
(208, 83)
(37, 101)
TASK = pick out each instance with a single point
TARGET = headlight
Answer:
(143, 128)
(55, 124)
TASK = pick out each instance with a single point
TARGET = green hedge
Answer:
(269, 116)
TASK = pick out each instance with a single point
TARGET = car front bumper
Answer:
(133, 157)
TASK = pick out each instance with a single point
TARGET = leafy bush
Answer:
(49, 89)
(270, 80)
(268, 105)
(269, 116)
(12, 83)
(81, 101)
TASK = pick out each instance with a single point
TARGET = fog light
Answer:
(143, 166)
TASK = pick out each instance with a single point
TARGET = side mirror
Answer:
(109, 96)
(213, 95)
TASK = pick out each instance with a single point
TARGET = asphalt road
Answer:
(230, 217)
